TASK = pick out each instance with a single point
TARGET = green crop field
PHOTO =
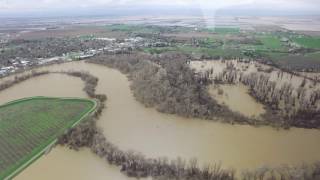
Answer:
(308, 42)
(270, 42)
(213, 52)
(29, 126)
(223, 30)
(147, 29)
(285, 49)
(134, 28)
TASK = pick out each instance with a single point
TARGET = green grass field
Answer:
(198, 51)
(223, 30)
(134, 28)
(286, 49)
(146, 29)
(308, 42)
(29, 126)
(270, 42)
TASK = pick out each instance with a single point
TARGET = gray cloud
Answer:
(33, 5)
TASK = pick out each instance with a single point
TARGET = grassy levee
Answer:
(28, 127)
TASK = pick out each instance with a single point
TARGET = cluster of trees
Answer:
(242, 39)
(17, 79)
(295, 106)
(136, 165)
(229, 75)
(291, 106)
(308, 115)
(293, 63)
(82, 135)
(167, 83)
(300, 172)
(91, 83)
(132, 164)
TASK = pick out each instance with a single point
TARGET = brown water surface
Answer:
(237, 98)
(131, 126)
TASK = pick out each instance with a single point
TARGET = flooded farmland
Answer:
(237, 98)
(129, 125)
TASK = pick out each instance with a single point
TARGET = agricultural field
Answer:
(308, 42)
(285, 49)
(222, 30)
(146, 29)
(276, 46)
(32, 125)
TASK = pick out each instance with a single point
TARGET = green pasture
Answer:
(29, 126)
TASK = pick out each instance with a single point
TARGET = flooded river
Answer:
(131, 126)
(237, 98)
(60, 163)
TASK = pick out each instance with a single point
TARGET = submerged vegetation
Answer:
(132, 164)
(287, 105)
(169, 85)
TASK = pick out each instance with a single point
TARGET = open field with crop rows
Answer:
(29, 126)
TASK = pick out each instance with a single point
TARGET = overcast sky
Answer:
(297, 6)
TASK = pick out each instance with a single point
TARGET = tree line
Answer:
(286, 105)
(168, 84)
(134, 164)
(19, 78)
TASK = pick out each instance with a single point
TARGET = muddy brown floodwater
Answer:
(131, 126)
(60, 163)
(237, 98)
